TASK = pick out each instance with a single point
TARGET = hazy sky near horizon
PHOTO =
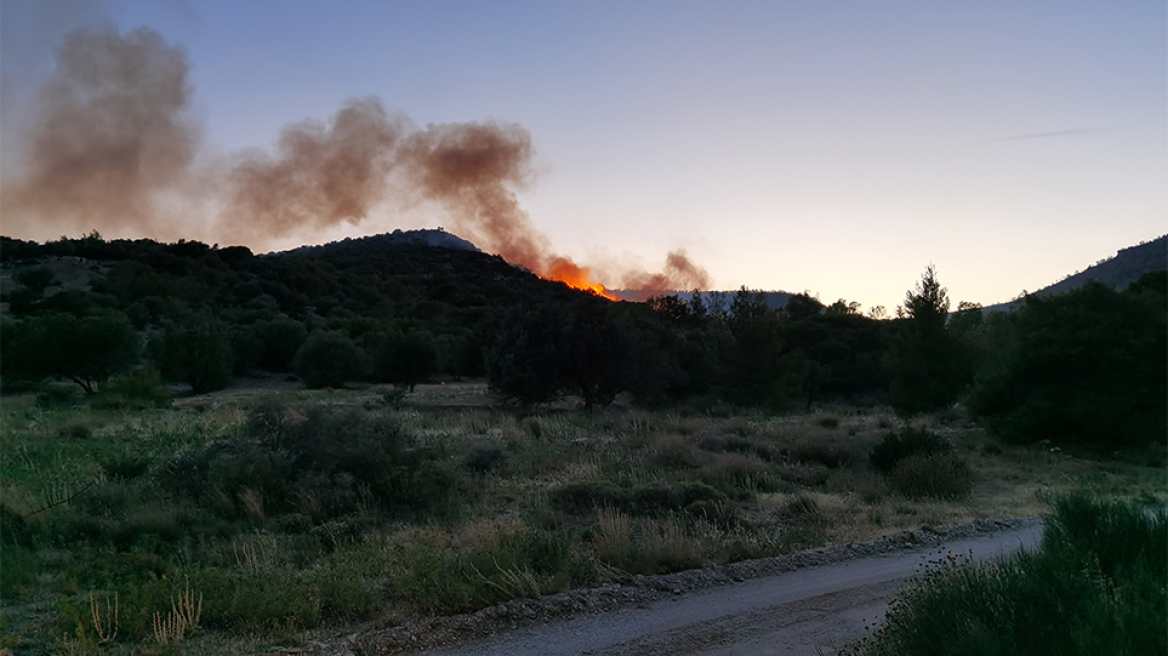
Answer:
(835, 147)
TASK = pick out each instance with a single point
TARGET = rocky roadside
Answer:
(427, 634)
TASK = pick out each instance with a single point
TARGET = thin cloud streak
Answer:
(1057, 133)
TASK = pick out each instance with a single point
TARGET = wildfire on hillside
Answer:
(575, 276)
(116, 148)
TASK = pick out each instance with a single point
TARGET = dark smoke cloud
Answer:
(114, 149)
(111, 132)
(471, 168)
(679, 274)
(320, 176)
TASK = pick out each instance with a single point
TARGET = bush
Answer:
(321, 463)
(484, 458)
(932, 475)
(139, 391)
(650, 498)
(1096, 586)
(895, 447)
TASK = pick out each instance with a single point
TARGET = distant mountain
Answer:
(435, 238)
(1128, 265)
(774, 300)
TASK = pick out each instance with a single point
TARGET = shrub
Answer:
(139, 391)
(650, 498)
(932, 475)
(484, 458)
(801, 507)
(323, 463)
(895, 447)
(1096, 586)
(125, 467)
(55, 397)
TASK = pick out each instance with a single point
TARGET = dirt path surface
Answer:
(810, 610)
(811, 602)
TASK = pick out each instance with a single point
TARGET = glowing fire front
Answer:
(577, 277)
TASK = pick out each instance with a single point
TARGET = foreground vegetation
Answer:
(231, 522)
(1086, 368)
(1095, 586)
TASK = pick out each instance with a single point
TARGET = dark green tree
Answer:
(330, 359)
(281, 338)
(86, 349)
(756, 371)
(926, 363)
(801, 306)
(197, 353)
(406, 359)
(521, 358)
(1088, 367)
(541, 351)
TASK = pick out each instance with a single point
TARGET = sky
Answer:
(837, 148)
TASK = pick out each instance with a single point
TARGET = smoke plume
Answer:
(679, 274)
(111, 133)
(114, 149)
(320, 176)
(470, 168)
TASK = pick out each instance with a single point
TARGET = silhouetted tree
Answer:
(925, 361)
(1089, 366)
(755, 371)
(198, 353)
(330, 359)
(281, 338)
(539, 352)
(86, 349)
(801, 306)
(521, 358)
(406, 359)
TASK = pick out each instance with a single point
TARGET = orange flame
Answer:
(577, 277)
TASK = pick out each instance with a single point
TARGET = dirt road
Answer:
(807, 611)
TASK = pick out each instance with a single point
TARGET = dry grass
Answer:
(764, 484)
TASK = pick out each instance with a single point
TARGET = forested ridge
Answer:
(1087, 366)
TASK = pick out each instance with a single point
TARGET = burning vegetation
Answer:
(115, 148)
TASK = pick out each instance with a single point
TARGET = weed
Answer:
(534, 427)
(895, 447)
(484, 458)
(933, 475)
(77, 430)
(125, 466)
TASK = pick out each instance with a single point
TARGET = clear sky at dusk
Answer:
(835, 147)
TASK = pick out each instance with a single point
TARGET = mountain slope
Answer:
(1126, 267)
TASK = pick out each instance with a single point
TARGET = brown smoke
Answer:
(679, 274)
(114, 142)
(111, 133)
(469, 168)
(321, 175)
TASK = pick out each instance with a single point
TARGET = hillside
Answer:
(1126, 267)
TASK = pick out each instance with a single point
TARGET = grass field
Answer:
(232, 522)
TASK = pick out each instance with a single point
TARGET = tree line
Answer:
(1088, 366)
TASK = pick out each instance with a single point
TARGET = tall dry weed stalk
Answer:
(614, 534)
(105, 622)
(253, 503)
(185, 610)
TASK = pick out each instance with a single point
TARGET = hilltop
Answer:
(1118, 272)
